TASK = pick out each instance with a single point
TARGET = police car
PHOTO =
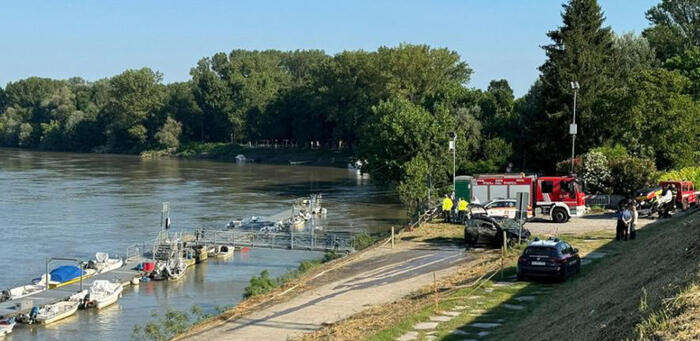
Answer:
(548, 258)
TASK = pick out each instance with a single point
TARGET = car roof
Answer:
(545, 243)
(496, 200)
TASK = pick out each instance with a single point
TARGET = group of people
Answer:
(627, 221)
(454, 213)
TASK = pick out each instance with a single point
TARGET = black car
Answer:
(549, 258)
(485, 230)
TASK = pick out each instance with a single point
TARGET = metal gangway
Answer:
(339, 241)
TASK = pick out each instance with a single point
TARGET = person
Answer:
(623, 216)
(461, 209)
(446, 207)
(626, 221)
(633, 224)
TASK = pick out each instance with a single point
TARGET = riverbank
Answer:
(268, 155)
(618, 289)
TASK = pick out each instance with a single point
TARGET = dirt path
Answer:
(344, 292)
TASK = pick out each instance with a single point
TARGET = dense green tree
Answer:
(168, 136)
(580, 51)
(135, 95)
(675, 27)
(688, 64)
(181, 105)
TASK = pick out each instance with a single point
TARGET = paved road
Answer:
(363, 282)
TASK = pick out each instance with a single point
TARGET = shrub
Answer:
(169, 134)
(596, 173)
(363, 241)
(686, 173)
(260, 284)
(631, 173)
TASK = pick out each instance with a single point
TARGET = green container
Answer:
(463, 187)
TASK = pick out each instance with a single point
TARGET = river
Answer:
(73, 205)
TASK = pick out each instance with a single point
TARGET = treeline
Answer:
(395, 107)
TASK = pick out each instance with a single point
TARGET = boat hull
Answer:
(57, 317)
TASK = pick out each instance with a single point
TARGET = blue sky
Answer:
(97, 39)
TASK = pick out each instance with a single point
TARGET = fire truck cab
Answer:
(556, 197)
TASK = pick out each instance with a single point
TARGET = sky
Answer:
(101, 38)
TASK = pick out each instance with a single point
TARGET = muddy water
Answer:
(73, 205)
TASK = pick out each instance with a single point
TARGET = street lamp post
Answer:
(453, 147)
(573, 128)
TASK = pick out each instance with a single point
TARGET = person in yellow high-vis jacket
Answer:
(462, 209)
(446, 208)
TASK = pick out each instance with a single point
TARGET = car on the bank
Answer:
(488, 231)
(551, 258)
(504, 208)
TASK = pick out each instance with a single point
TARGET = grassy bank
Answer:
(642, 289)
(269, 155)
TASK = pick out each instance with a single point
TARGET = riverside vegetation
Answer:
(395, 106)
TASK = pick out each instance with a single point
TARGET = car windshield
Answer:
(541, 251)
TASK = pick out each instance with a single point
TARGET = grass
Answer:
(486, 297)
(264, 283)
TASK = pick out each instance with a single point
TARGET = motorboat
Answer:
(103, 293)
(159, 273)
(102, 263)
(22, 291)
(176, 270)
(6, 326)
(65, 275)
(55, 312)
(221, 251)
(200, 253)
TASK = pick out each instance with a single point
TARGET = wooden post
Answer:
(503, 253)
(392, 237)
(435, 291)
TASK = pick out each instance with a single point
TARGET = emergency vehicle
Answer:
(555, 197)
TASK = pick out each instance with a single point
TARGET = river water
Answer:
(73, 205)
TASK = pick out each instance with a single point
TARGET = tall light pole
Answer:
(453, 147)
(573, 128)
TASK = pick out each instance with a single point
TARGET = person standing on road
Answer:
(461, 209)
(633, 223)
(446, 207)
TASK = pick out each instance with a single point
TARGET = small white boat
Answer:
(6, 326)
(24, 291)
(176, 270)
(104, 293)
(222, 251)
(57, 311)
(102, 263)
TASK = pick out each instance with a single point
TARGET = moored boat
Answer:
(176, 270)
(103, 293)
(22, 291)
(65, 275)
(57, 311)
(222, 251)
(6, 326)
(102, 263)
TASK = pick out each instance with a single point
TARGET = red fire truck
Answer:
(556, 197)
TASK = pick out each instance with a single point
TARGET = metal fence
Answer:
(313, 240)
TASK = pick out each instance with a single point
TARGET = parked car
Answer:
(552, 258)
(504, 208)
(485, 230)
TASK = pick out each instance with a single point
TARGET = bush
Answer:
(260, 284)
(596, 173)
(363, 241)
(169, 134)
(686, 173)
(631, 173)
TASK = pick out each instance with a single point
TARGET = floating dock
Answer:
(24, 305)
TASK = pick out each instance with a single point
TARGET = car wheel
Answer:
(559, 215)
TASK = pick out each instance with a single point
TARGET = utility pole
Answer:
(573, 128)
